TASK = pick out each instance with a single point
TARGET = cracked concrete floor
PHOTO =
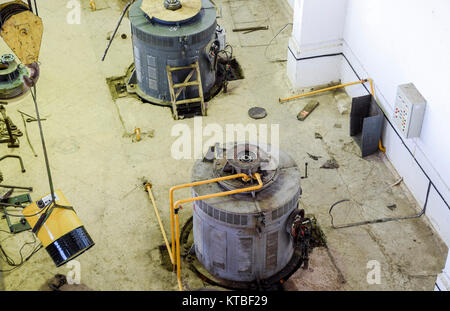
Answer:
(99, 168)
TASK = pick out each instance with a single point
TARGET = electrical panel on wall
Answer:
(409, 110)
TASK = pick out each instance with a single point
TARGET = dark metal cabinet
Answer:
(366, 124)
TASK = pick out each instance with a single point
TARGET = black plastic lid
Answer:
(69, 246)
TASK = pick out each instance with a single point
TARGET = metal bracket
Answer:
(22, 225)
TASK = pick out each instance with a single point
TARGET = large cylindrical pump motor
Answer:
(244, 237)
(175, 39)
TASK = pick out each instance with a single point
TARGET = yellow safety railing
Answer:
(175, 208)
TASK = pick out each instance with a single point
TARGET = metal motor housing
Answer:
(11, 77)
(243, 237)
(157, 44)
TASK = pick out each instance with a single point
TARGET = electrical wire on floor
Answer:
(3, 255)
(270, 42)
(380, 220)
(10, 261)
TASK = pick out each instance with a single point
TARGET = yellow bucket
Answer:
(62, 234)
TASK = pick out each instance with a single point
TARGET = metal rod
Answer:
(17, 187)
(177, 228)
(29, 116)
(148, 187)
(306, 171)
(15, 157)
(125, 9)
(28, 136)
(36, 9)
(282, 100)
(249, 29)
(44, 148)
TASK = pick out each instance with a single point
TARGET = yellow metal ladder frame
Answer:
(181, 86)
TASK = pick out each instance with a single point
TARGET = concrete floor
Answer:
(99, 168)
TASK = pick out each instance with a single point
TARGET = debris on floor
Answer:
(351, 147)
(398, 182)
(318, 136)
(392, 207)
(343, 102)
(210, 154)
(315, 158)
(138, 134)
(310, 106)
(60, 283)
(330, 164)
(322, 274)
(250, 29)
(257, 113)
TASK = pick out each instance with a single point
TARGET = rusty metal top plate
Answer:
(156, 9)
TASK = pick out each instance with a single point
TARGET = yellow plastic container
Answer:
(62, 234)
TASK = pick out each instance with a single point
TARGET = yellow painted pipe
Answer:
(282, 100)
(371, 87)
(148, 187)
(381, 147)
(175, 210)
(177, 228)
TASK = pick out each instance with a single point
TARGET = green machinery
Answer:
(22, 224)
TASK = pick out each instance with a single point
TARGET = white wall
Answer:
(401, 41)
(320, 21)
(318, 28)
(392, 42)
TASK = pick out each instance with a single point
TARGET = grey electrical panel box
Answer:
(409, 110)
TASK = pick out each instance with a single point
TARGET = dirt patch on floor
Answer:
(322, 274)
